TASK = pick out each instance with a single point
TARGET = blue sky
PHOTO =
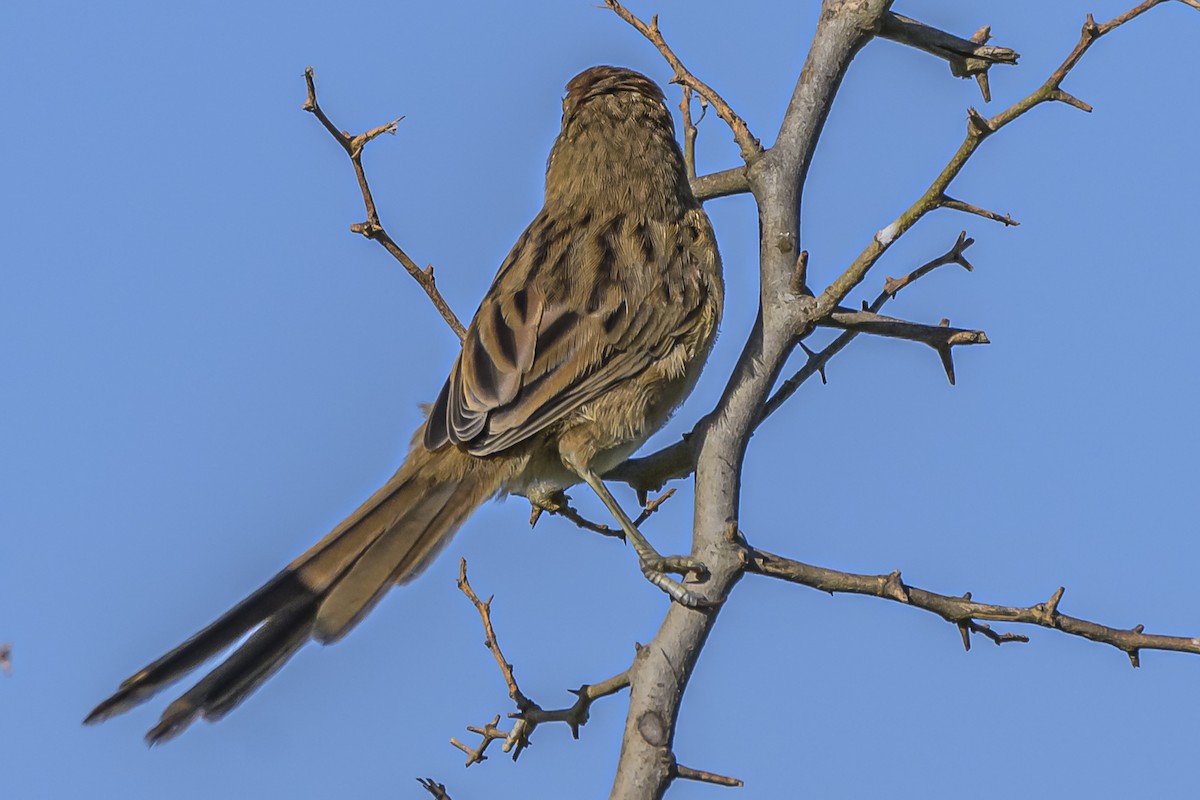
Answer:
(204, 371)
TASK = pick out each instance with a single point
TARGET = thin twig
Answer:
(749, 144)
(438, 790)
(690, 131)
(817, 361)
(689, 774)
(979, 128)
(967, 57)
(963, 611)
(484, 607)
(372, 228)
(529, 714)
(942, 338)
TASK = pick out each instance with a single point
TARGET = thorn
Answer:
(1134, 660)
(429, 271)
(945, 323)
(821, 369)
(1052, 604)
(983, 35)
(1090, 28)
(965, 631)
(985, 89)
(535, 513)
(865, 306)
(1070, 99)
(947, 362)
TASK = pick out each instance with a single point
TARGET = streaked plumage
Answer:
(594, 329)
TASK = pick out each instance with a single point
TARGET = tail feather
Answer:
(322, 594)
(221, 690)
(369, 578)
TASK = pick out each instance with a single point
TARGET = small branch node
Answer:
(894, 587)
(978, 125)
(815, 358)
(799, 282)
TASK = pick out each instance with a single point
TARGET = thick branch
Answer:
(372, 228)
(661, 670)
(963, 611)
(721, 184)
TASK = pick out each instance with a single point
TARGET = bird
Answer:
(594, 330)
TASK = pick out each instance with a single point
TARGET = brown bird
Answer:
(593, 331)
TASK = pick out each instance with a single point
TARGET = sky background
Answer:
(203, 371)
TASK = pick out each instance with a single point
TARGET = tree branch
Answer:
(529, 714)
(979, 128)
(963, 611)
(967, 57)
(721, 184)
(438, 790)
(748, 143)
(942, 338)
(662, 669)
(892, 286)
(372, 228)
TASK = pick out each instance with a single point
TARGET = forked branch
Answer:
(979, 128)
(529, 714)
(967, 57)
(964, 612)
(371, 228)
(749, 144)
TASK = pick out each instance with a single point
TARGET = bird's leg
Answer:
(654, 566)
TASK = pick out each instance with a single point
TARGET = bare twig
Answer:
(560, 505)
(959, 205)
(689, 131)
(689, 774)
(576, 716)
(529, 714)
(978, 129)
(963, 611)
(372, 228)
(745, 140)
(488, 734)
(438, 790)
(817, 361)
(484, 607)
(967, 57)
(942, 338)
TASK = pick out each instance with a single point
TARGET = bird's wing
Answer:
(593, 308)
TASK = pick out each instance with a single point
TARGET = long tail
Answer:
(323, 593)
